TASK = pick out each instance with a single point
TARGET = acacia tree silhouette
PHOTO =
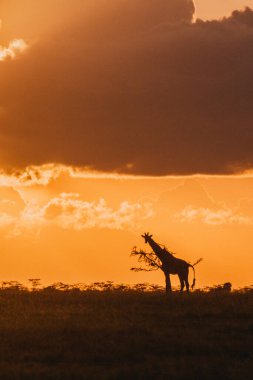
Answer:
(163, 259)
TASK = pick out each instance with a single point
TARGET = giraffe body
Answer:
(170, 264)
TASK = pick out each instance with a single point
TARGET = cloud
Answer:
(213, 217)
(14, 48)
(68, 211)
(134, 87)
(102, 18)
(40, 196)
(34, 175)
(43, 175)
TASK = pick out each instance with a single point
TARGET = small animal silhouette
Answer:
(171, 264)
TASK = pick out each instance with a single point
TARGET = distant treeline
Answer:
(36, 286)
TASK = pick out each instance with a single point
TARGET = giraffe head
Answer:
(147, 237)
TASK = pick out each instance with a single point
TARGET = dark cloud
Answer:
(103, 18)
(134, 82)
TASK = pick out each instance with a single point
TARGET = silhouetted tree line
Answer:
(107, 286)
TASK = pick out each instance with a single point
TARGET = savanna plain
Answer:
(125, 333)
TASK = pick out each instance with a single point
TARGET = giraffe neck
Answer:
(158, 250)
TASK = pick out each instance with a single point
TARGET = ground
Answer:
(125, 335)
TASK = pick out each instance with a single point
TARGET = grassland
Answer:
(125, 335)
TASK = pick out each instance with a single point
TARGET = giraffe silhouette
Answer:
(171, 265)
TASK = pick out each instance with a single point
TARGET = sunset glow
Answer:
(54, 207)
(123, 118)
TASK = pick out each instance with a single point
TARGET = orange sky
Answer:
(57, 224)
(214, 9)
(153, 97)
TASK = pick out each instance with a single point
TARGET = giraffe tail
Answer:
(192, 266)
(194, 279)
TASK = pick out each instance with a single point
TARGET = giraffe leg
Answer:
(181, 282)
(168, 283)
(187, 284)
(186, 280)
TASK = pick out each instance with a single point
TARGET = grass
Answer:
(50, 334)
